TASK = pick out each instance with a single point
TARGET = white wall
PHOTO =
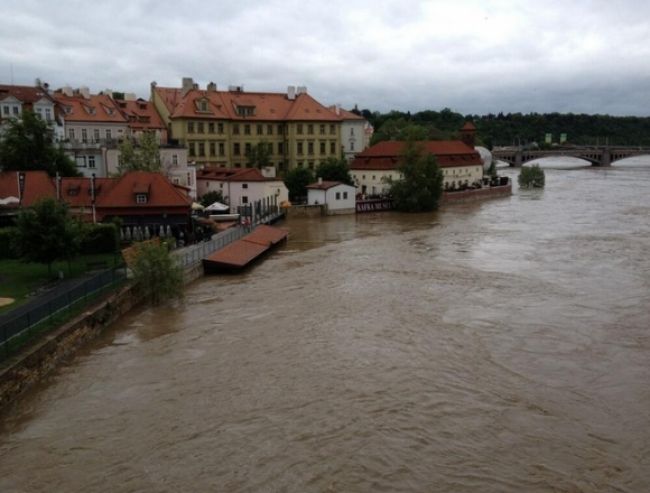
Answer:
(376, 181)
(339, 197)
(353, 137)
(234, 193)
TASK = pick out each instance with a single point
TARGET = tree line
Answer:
(506, 129)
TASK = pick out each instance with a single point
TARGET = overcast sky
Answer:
(471, 56)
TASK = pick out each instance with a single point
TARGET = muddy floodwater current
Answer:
(500, 346)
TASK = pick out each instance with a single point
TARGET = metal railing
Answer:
(194, 254)
(24, 323)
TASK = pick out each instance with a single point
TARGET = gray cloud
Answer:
(470, 55)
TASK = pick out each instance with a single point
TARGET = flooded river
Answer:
(501, 346)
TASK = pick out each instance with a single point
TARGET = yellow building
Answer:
(220, 128)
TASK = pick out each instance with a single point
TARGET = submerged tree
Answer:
(531, 177)
(156, 272)
(420, 185)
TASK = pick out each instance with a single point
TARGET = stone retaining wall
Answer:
(30, 365)
(478, 194)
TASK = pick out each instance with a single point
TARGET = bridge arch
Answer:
(572, 161)
(617, 158)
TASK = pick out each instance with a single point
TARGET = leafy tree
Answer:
(28, 144)
(46, 232)
(333, 169)
(211, 197)
(420, 186)
(531, 177)
(259, 155)
(156, 272)
(297, 180)
(143, 157)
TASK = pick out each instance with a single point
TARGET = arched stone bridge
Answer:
(601, 156)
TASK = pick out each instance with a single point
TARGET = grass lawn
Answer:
(19, 279)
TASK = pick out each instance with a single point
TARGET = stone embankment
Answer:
(478, 194)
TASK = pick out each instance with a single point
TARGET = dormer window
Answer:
(141, 198)
(203, 106)
(246, 110)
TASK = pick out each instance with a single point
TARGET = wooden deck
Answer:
(243, 252)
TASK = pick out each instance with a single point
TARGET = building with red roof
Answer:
(240, 186)
(138, 198)
(355, 132)
(220, 127)
(373, 168)
(16, 99)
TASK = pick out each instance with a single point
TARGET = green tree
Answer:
(531, 177)
(420, 186)
(28, 144)
(333, 169)
(143, 157)
(259, 155)
(296, 181)
(211, 197)
(46, 232)
(156, 272)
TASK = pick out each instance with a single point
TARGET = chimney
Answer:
(291, 93)
(212, 86)
(67, 90)
(338, 109)
(187, 85)
(302, 89)
(85, 92)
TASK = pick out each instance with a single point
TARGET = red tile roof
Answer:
(325, 185)
(25, 94)
(468, 126)
(97, 108)
(232, 174)
(162, 193)
(268, 106)
(76, 191)
(386, 155)
(141, 114)
(38, 185)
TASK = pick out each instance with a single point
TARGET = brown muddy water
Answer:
(502, 346)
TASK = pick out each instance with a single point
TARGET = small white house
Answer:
(337, 196)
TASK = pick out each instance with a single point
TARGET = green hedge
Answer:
(99, 238)
(7, 249)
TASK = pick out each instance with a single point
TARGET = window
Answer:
(280, 148)
(244, 185)
(332, 147)
(15, 108)
(352, 146)
(176, 180)
(260, 130)
(322, 129)
(222, 149)
(220, 128)
(311, 164)
(70, 133)
(300, 164)
(190, 146)
(84, 135)
(96, 134)
(247, 148)
(141, 198)
(5, 110)
(299, 148)
(48, 114)
(204, 105)
(91, 161)
(269, 129)
(352, 131)
(200, 127)
(345, 195)
(201, 148)
(310, 148)
(247, 129)
(299, 129)
(244, 199)
(175, 159)
(213, 149)
(280, 129)
(211, 127)
(322, 147)
(190, 127)
(310, 129)
(236, 150)
(332, 129)
(338, 195)
(108, 134)
(235, 129)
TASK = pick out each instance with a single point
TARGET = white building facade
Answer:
(339, 198)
